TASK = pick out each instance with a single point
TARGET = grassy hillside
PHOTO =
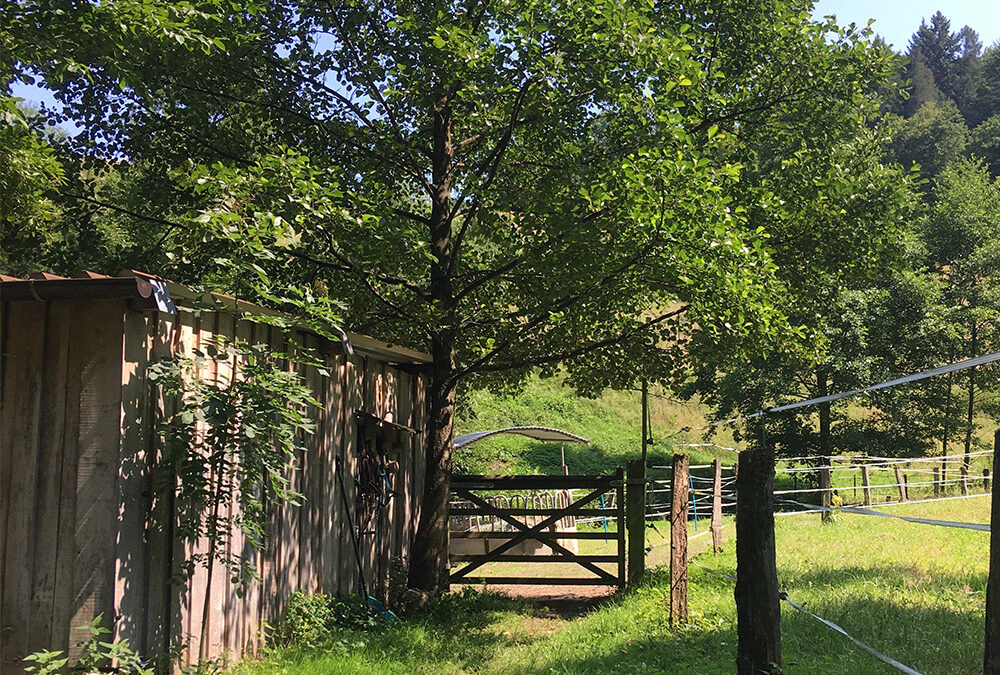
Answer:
(612, 423)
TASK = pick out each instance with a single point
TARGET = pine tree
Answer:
(955, 61)
(923, 87)
(940, 49)
(987, 100)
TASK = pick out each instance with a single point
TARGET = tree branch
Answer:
(485, 367)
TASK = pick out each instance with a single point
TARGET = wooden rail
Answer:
(533, 524)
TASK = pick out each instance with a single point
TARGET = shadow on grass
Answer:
(894, 575)
(903, 614)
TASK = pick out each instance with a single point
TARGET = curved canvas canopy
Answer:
(546, 434)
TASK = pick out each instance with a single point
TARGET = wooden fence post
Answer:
(620, 536)
(991, 653)
(758, 611)
(903, 496)
(826, 487)
(679, 498)
(635, 519)
(986, 480)
(964, 484)
(937, 484)
(716, 506)
(866, 485)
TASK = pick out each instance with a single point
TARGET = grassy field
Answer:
(913, 591)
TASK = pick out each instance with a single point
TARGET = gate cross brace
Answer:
(526, 533)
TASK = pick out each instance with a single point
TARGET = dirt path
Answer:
(585, 598)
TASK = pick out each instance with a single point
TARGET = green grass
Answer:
(915, 592)
(612, 423)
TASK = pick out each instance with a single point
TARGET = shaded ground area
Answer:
(583, 598)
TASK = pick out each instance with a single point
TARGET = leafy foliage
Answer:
(97, 655)
(231, 444)
(932, 139)
(314, 620)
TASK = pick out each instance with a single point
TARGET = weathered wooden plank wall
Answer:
(79, 538)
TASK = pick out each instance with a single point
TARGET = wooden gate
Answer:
(538, 525)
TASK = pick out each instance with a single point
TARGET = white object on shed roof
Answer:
(546, 434)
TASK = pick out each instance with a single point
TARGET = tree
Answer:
(985, 143)
(954, 60)
(28, 172)
(50, 185)
(962, 235)
(988, 92)
(923, 89)
(933, 138)
(507, 186)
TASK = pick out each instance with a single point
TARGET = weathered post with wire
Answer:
(903, 496)
(679, 498)
(866, 485)
(826, 490)
(964, 484)
(716, 506)
(986, 480)
(991, 655)
(937, 483)
(635, 519)
(758, 611)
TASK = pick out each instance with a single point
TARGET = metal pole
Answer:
(694, 504)
(645, 420)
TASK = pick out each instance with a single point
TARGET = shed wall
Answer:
(86, 529)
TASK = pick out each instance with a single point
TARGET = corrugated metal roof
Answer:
(547, 434)
(155, 292)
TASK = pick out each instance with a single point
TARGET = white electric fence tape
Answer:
(884, 658)
(983, 527)
(933, 372)
(871, 650)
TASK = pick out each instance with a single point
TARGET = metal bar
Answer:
(472, 557)
(497, 511)
(529, 482)
(540, 536)
(546, 581)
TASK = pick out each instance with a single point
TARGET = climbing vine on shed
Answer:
(231, 445)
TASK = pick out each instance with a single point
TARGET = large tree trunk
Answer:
(429, 552)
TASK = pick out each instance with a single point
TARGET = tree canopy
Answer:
(622, 190)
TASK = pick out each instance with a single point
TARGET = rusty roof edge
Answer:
(136, 288)
(364, 343)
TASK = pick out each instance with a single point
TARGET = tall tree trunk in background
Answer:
(972, 403)
(945, 434)
(429, 552)
(825, 444)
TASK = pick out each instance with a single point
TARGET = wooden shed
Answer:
(84, 530)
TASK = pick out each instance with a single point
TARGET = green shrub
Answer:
(98, 654)
(307, 621)
(312, 620)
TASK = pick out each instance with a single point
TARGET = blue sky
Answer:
(896, 20)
